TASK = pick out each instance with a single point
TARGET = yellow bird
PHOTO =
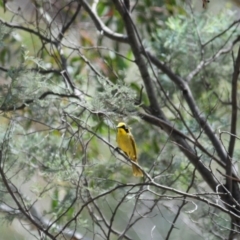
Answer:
(127, 144)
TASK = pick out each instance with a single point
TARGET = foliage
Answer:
(69, 74)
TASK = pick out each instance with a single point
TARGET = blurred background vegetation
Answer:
(64, 86)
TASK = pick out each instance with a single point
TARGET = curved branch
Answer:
(42, 71)
(27, 102)
(181, 206)
(183, 86)
(42, 37)
(234, 104)
(68, 233)
(223, 32)
(26, 214)
(67, 26)
(233, 120)
(154, 106)
(206, 62)
(185, 148)
(101, 26)
(234, 194)
(139, 59)
(171, 129)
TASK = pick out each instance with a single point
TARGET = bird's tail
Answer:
(137, 172)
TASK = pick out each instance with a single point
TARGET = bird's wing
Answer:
(134, 148)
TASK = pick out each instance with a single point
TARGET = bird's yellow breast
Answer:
(126, 143)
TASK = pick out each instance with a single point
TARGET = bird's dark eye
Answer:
(126, 129)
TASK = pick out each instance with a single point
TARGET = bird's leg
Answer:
(117, 149)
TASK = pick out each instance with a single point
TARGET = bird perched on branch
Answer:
(127, 144)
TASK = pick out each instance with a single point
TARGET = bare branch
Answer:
(183, 86)
(233, 120)
(140, 61)
(38, 34)
(100, 25)
(20, 207)
(68, 233)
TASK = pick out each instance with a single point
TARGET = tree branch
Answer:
(68, 233)
(155, 110)
(183, 86)
(29, 101)
(26, 214)
(38, 34)
(101, 26)
(139, 59)
(233, 120)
